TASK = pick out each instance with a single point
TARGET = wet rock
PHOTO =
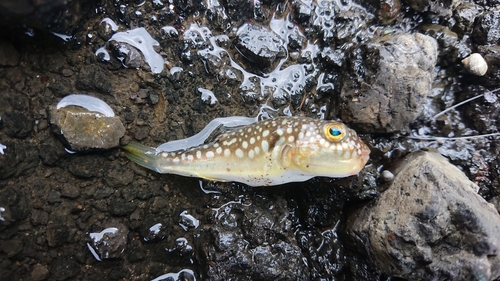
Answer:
(83, 130)
(64, 268)
(92, 78)
(446, 39)
(441, 7)
(118, 176)
(39, 217)
(11, 247)
(238, 11)
(152, 231)
(260, 45)
(107, 28)
(70, 191)
(54, 197)
(130, 56)
(18, 159)
(492, 57)
(103, 192)
(8, 54)
(17, 122)
(486, 31)
(110, 243)
(388, 82)
(388, 11)
(430, 224)
(15, 204)
(85, 166)
(254, 242)
(57, 234)
(136, 251)
(220, 66)
(121, 207)
(465, 15)
(39, 272)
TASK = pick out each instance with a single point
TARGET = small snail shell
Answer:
(475, 64)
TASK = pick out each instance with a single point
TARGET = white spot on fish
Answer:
(265, 146)
(218, 150)
(289, 130)
(347, 155)
(257, 150)
(252, 140)
(251, 154)
(244, 144)
(227, 152)
(291, 138)
(265, 133)
(198, 154)
(228, 143)
(176, 160)
(239, 153)
(190, 157)
(210, 154)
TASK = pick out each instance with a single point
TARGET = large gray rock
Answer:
(388, 81)
(430, 225)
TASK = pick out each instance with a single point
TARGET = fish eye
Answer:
(334, 132)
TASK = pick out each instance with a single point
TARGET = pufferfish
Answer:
(268, 152)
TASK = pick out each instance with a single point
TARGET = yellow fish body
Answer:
(268, 152)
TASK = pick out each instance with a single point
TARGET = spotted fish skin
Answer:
(268, 152)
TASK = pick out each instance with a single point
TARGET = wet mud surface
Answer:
(168, 68)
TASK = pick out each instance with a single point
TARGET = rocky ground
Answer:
(167, 68)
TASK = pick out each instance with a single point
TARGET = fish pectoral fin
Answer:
(286, 156)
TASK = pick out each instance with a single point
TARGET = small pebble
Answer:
(387, 175)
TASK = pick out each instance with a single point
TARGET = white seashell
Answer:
(475, 64)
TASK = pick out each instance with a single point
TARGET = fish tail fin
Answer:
(141, 154)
